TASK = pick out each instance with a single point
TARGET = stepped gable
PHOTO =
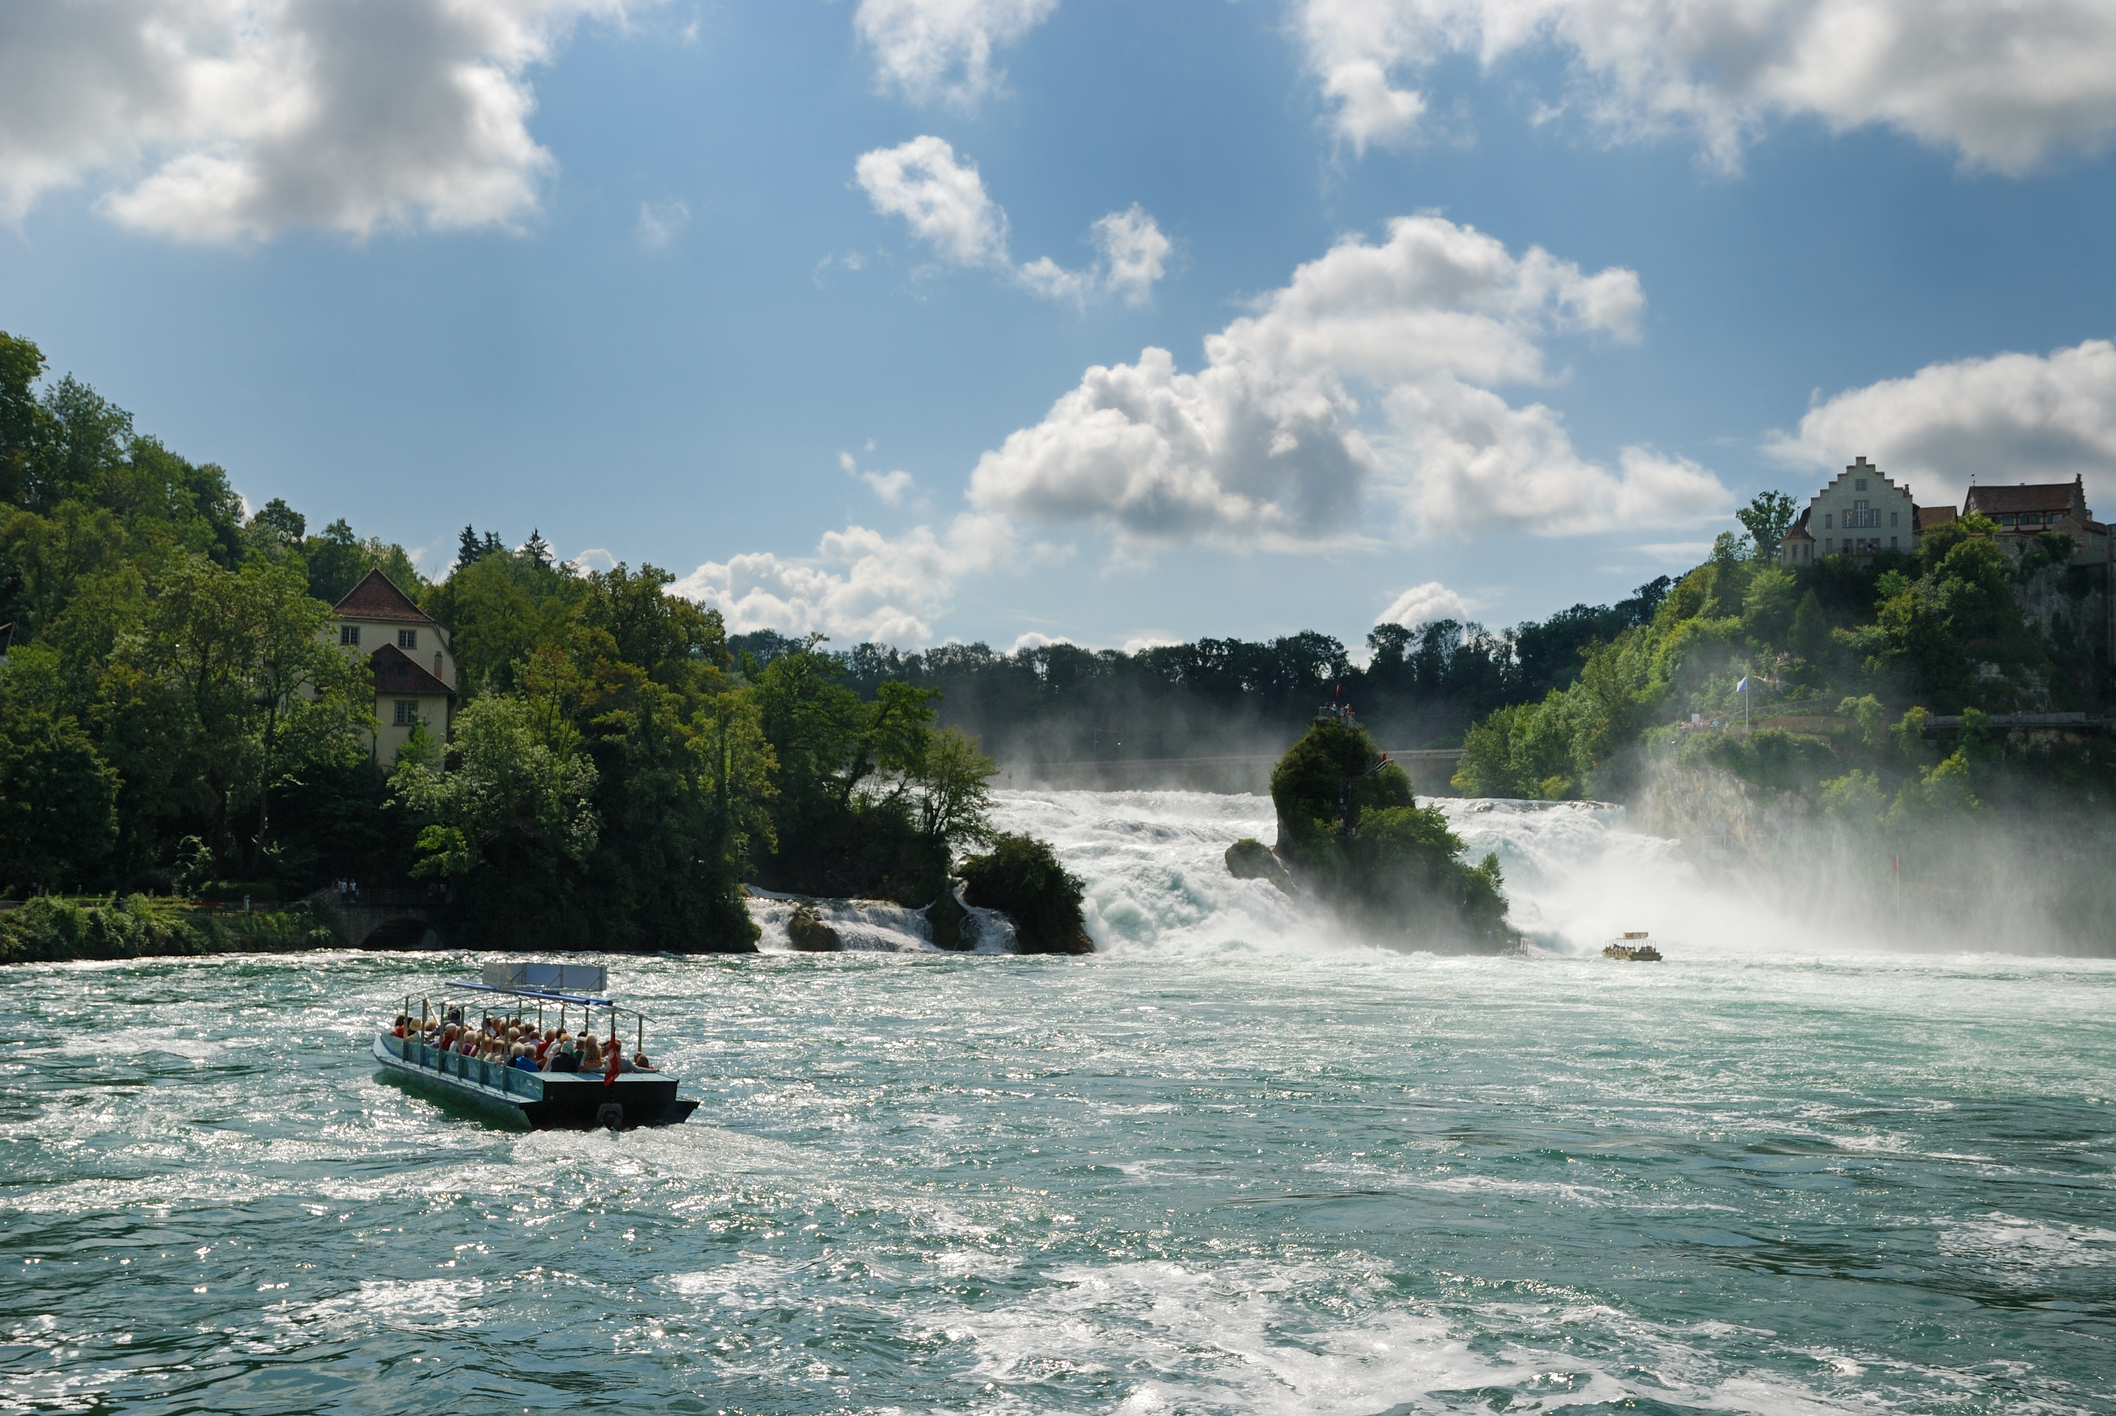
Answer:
(396, 673)
(377, 597)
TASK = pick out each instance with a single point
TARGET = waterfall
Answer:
(1576, 875)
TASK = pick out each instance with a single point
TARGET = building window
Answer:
(1828, 520)
(1829, 545)
(1891, 543)
(407, 639)
(349, 635)
(1892, 517)
(407, 712)
(1859, 484)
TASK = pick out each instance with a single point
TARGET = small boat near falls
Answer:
(1632, 948)
(426, 1053)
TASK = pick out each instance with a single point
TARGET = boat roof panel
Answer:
(536, 993)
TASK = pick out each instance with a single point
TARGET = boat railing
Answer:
(498, 1076)
(585, 1002)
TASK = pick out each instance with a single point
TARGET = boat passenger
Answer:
(590, 1054)
(563, 1057)
(640, 1063)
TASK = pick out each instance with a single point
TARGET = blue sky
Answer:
(1511, 302)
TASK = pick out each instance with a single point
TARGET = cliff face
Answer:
(2072, 605)
(1352, 836)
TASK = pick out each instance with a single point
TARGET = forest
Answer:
(1419, 687)
(175, 720)
(1872, 692)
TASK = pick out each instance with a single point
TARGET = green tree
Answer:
(1856, 799)
(952, 800)
(1352, 832)
(499, 609)
(58, 803)
(1022, 876)
(511, 826)
(276, 530)
(1767, 519)
(312, 700)
(22, 417)
(1768, 606)
(1809, 633)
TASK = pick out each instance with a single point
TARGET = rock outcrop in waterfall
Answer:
(1353, 838)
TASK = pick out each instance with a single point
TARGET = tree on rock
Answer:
(1352, 835)
(1021, 876)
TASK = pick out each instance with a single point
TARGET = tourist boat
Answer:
(543, 1101)
(1634, 948)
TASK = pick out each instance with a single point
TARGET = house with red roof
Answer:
(409, 654)
(2026, 510)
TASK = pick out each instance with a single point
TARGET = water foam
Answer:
(1156, 876)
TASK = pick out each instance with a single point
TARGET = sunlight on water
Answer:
(1234, 1163)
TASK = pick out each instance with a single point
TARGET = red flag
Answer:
(609, 1068)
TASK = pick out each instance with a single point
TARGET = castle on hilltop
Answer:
(1862, 512)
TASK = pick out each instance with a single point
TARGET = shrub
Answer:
(1021, 875)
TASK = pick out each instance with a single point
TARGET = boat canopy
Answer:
(546, 977)
(544, 995)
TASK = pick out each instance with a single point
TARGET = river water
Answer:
(1230, 1164)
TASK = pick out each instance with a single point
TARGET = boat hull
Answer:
(540, 1101)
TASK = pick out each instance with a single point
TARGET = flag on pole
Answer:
(1742, 686)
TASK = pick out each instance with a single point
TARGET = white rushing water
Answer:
(1575, 875)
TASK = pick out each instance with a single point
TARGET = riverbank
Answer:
(47, 930)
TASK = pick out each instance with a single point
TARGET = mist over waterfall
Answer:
(1152, 863)
(1577, 874)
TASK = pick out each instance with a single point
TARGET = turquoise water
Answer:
(1230, 1165)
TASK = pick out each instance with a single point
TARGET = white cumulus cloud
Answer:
(1423, 604)
(944, 202)
(859, 584)
(1268, 445)
(941, 50)
(889, 486)
(218, 120)
(1134, 253)
(2003, 85)
(2009, 418)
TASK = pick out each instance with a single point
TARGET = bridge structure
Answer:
(1430, 770)
(387, 918)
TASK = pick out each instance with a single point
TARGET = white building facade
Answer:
(409, 653)
(1862, 512)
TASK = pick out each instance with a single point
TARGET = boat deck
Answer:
(540, 1100)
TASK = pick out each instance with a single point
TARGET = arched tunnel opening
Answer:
(404, 932)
